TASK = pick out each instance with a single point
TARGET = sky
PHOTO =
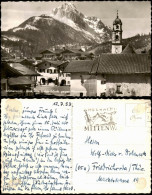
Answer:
(135, 15)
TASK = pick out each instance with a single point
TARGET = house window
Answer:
(81, 94)
(55, 71)
(42, 70)
(82, 79)
(67, 75)
(48, 71)
(118, 90)
(103, 94)
(103, 82)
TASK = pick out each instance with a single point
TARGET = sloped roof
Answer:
(79, 66)
(47, 51)
(22, 80)
(112, 64)
(63, 65)
(76, 51)
(24, 70)
(128, 49)
(122, 64)
(56, 63)
(16, 60)
(58, 51)
(27, 62)
(8, 71)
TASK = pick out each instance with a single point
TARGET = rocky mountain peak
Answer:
(65, 8)
(68, 6)
(65, 24)
(92, 18)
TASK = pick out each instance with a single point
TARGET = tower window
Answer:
(117, 37)
(117, 26)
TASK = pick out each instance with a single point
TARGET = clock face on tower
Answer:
(117, 49)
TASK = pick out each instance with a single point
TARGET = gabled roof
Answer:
(63, 65)
(79, 66)
(128, 49)
(58, 51)
(58, 62)
(122, 64)
(112, 64)
(55, 63)
(76, 51)
(24, 70)
(8, 71)
(47, 51)
(27, 62)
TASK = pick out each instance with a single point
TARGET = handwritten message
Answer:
(75, 146)
(37, 147)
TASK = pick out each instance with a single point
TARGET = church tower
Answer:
(117, 36)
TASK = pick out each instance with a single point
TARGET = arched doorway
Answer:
(63, 82)
(42, 81)
(50, 80)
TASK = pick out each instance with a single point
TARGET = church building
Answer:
(117, 36)
(119, 73)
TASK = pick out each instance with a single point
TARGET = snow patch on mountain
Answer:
(12, 38)
(36, 18)
(70, 23)
(93, 23)
(65, 20)
(27, 26)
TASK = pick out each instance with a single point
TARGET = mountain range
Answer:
(140, 43)
(64, 25)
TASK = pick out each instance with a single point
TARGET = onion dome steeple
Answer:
(117, 20)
